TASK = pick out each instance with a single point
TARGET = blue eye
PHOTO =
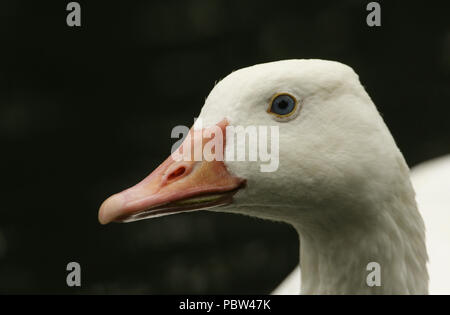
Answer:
(283, 105)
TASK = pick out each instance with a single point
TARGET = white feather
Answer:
(431, 181)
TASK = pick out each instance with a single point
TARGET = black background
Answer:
(86, 112)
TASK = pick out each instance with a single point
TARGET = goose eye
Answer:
(283, 105)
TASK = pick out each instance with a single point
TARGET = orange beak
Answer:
(176, 185)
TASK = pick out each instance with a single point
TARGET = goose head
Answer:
(335, 171)
(329, 145)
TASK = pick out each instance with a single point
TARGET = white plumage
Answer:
(431, 181)
(341, 182)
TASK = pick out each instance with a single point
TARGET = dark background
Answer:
(86, 112)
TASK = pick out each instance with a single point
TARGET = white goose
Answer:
(341, 182)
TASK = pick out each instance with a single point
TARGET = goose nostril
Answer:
(178, 172)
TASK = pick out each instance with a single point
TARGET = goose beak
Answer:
(178, 185)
